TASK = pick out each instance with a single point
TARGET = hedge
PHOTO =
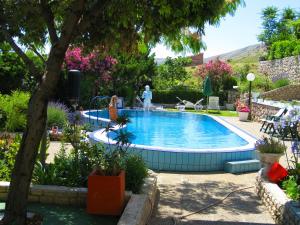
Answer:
(169, 96)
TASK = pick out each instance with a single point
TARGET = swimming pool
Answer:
(180, 141)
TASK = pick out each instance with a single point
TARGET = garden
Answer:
(55, 62)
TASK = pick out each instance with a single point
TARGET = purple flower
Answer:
(296, 147)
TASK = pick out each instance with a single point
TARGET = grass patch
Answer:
(210, 112)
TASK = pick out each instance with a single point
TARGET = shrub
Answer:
(136, 172)
(281, 83)
(14, 108)
(286, 48)
(292, 188)
(169, 96)
(228, 83)
(57, 114)
(8, 150)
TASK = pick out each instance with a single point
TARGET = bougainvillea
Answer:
(92, 62)
(217, 70)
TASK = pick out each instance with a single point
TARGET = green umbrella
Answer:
(207, 89)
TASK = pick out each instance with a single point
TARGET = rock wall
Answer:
(283, 210)
(288, 67)
(260, 111)
(286, 93)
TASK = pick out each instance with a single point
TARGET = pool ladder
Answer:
(93, 103)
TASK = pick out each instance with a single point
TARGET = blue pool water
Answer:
(177, 130)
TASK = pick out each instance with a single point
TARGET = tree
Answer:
(218, 71)
(109, 23)
(270, 25)
(171, 73)
(132, 73)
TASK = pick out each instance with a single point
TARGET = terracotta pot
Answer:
(267, 160)
(106, 194)
(243, 116)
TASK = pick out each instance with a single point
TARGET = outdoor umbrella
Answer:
(207, 89)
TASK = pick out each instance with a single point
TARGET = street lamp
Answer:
(250, 78)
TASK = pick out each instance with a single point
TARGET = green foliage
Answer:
(69, 169)
(171, 73)
(169, 96)
(270, 25)
(136, 172)
(270, 145)
(292, 188)
(228, 83)
(57, 115)
(9, 147)
(281, 83)
(278, 27)
(261, 83)
(131, 74)
(286, 48)
(14, 107)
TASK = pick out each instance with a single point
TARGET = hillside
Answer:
(249, 54)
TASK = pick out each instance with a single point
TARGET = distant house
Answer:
(197, 59)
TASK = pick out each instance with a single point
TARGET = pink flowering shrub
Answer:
(217, 70)
(92, 62)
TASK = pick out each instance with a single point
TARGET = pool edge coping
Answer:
(100, 136)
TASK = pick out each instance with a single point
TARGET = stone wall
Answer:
(288, 67)
(283, 210)
(286, 93)
(260, 111)
(51, 194)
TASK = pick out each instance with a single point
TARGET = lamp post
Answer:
(250, 78)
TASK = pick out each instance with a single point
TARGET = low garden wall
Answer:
(286, 93)
(260, 111)
(137, 211)
(288, 67)
(283, 210)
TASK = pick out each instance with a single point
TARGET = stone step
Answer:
(242, 166)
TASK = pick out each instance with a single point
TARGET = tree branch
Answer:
(32, 68)
(37, 53)
(49, 19)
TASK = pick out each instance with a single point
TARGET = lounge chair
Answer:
(268, 122)
(213, 103)
(184, 104)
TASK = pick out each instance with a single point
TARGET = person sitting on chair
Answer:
(112, 109)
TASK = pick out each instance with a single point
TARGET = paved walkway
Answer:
(185, 193)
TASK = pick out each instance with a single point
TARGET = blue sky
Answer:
(236, 31)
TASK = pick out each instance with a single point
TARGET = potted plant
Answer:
(106, 183)
(270, 150)
(106, 186)
(243, 111)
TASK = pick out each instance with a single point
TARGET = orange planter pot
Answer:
(106, 194)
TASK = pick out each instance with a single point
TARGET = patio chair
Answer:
(184, 104)
(285, 130)
(213, 103)
(268, 122)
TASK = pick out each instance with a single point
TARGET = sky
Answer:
(236, 31)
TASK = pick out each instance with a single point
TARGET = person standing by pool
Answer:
(147, 96)
(112, 109)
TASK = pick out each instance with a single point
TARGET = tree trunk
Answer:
(16, 204)
(43, 148)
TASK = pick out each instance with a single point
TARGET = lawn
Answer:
(210, 112)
